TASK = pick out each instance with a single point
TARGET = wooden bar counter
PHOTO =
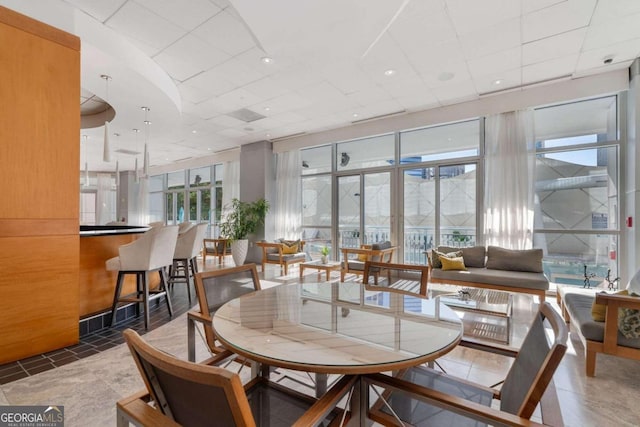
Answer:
(96, 284)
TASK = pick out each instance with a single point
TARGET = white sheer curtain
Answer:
(288, 209)
(143, 200)
(105, 200)
(509, 180)
(230, 184)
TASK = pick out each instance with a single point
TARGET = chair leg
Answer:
(145, 298)
(163, 283)
(116, 297)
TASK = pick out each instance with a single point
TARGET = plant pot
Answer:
(239, 250)
(324, 259)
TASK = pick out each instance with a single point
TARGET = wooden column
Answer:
(39, 186)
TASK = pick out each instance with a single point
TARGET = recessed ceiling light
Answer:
(194, 131)
(355, 114)
(268, 135)
(266, 60)
(389, 72)
(147, 122)
(445, 75)
(497, 82)
(209, 149)
(267, 109)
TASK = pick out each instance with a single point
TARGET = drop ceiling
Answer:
(200, 66)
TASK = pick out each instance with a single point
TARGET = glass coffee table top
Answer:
(486, 313)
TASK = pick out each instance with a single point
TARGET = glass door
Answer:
(364, 209)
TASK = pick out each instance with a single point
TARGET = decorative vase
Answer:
(324, 259)
(239, 250)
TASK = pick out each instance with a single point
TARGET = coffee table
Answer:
(327, 267)
(486, 313)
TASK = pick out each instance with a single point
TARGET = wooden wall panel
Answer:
(39, 303)
(39, 189)
(40, 127)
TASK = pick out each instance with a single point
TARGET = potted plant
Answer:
(240, 220)
(325, 252)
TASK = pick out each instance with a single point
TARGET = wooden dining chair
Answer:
(422, 396)
(405, 278)
(213, 289)
(182, 393)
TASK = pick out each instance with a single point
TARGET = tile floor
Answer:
(89, 387)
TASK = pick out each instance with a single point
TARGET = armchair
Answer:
(283, 253)
(190, 394)
(353, 259)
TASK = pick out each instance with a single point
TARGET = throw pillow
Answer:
(629, 321)
(436, 255)
(456, 263)
(363, 257)
(474, 256)
(599, 311)
(290, 247)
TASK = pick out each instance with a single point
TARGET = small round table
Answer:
(337, 328)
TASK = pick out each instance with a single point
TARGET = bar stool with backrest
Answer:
(153, 251)
(184, 257)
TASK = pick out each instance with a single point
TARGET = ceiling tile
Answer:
(455, 92)
(549, 69)
(189, 56)
(238, 73)
(612, 32)
(620, 52)
(559, 18)
(193, 94)
(211, 82)
(187, 15)
(140, 23)
(496, 63)
(614, 9)
(226, 33)
(470, 16)
(499, 37)
(368, 95)
(437, 58)
(508, 79)
(553, 47)
(413, 29)
(100, 10)
(418, 101)
(265, 88)
(226, 121)
(239, 97)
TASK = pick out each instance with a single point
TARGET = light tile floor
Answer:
(88, 388)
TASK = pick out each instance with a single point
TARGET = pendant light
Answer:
(106, 153)
(117, 175)
(135, 167)
(145, 159)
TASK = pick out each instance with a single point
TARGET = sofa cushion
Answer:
(288, 257)
(513, 279)
(473, 255)
(579, 307)
(455, 263)
(381, 245)
(514, 260)
(436, 255)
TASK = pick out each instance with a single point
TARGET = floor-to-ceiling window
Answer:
(156, 198)
(439, 191)
(316, 200)
(577, 205)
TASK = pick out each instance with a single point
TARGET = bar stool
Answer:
(153, 251)
(184, 258)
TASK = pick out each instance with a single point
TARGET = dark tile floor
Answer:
(98, 341)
